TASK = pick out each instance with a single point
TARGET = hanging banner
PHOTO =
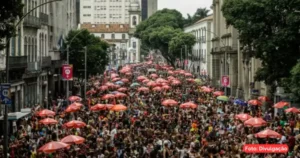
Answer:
(67, 72)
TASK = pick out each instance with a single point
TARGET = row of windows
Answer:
(200, 54)
(100, 7)
(86, 14)
(86, 6)
(113, 36)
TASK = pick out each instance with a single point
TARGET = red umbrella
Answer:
(90, 92)
(128, 73)
(120, 95)
(165, 87)
(122, 89)
(243, 117)
(102, 88)
(109, 84)
(153, 75)
(170, 72)
(125, 80)
(255, 122)
(171, 78)
(74, 98)
(169, 102)
(74, 124)
(157, 88)
(190, 80)
(188, 105)
(116, 79)
(53, 146)
(72, 108)
(143, 89)
(254, 102)
(281, 104)
(268, 134)
(292, 110)
(98, 107)
(151, 84)
(77, 105)
(109, 106)
(218, 93)
(119, 107)
(108, 96)
(48, 121)
(263, 98)
(175, 82)
(188, 74)
(141, 78)
(114, 75)
(46, 112)
(72, 139)
(146, 81)
(207, 90)
(161, 80)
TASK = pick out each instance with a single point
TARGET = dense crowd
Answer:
(152, 128)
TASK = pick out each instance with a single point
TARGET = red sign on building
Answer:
(67, 72)
(225, 81)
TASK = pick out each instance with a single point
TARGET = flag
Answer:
(60, 42)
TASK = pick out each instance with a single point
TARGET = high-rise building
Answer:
(104, 11)
(149, 7)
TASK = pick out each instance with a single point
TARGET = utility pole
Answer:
(67, 82)
(85, 73)
(181, 63)
(185, 56)
(225, 67)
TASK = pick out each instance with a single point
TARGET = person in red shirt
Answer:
(291, 142)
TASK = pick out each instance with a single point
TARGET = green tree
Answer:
(270, 28)
(10, 11)
(158, 31)
(97, 57)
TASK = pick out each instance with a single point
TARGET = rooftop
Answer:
(210, 17)
(106, 28)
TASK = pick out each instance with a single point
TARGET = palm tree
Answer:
(200, 14)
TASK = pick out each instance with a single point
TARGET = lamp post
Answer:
(85, 69)
(5, 133)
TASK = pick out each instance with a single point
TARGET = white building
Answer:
(201, 62)
(32, 49)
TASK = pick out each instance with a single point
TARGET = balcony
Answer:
(44, 18)
(32, 21)
(33, 66)
(46, 61)
(17, 62)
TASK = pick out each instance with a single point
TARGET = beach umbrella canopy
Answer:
(53, 146)
(143, 89)
(120, 95)
(116, 79)
(45, 112)
(188, 105)
(255, 122)
(207, 90)
(218, 93)
(281, 104)
(74, 98)
(267, 134)
(109, 106)
(175, 82)
(223, 98)
(157, 89)
(114, 75)
(263, 98)
(166, 87)
(190, 80)
(134, 84)
(243, 117)
(109, 84)
(90, 92)
(118, 107)
(108, 96)
(292, 110)
(70, 139)
(72, 108)
(48, 121)
(141, 78)
(151, 84)
(74, 124)
(119, 83)
(188, 74)
(254, 102)
(153, 75)
(198, 81)
(122, 89)
(98, 107)
(102, 88)
(124, 80)
(169, 102)
(161, 80)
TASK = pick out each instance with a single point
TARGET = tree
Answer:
(97, 57)
(198, 15)
(157, 32)
(270, 28)
(10, 11)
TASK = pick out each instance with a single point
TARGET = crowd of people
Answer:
(153, 111)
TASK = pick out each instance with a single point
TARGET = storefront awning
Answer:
(17, 115)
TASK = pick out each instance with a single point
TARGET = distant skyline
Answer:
(185, 6)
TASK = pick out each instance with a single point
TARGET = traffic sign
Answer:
(225, 81)
(5, 93)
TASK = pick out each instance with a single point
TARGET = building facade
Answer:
(149, 7)
(200, 63)
(229, 60)
(31, 51)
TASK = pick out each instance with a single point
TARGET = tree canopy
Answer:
(163, 28)
(198, 15)
(10, 11)
(97, 57)
(270, 28)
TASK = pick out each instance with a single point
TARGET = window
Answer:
(123, 36)
(134, 21)
(107, 26)
(204, 35)
(102, 35)
(121, 26)
(112, 36)
(86, 14)
(86, 7)
(134, 44)
(204, 56)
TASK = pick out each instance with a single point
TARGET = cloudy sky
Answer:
(184, 6)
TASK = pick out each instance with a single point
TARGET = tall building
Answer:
(104, 11)
(200, 63)
(149, 7)
(33, 52)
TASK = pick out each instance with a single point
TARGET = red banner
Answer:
(225, 81)
(67, 72)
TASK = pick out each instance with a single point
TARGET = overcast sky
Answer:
(184, 6)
